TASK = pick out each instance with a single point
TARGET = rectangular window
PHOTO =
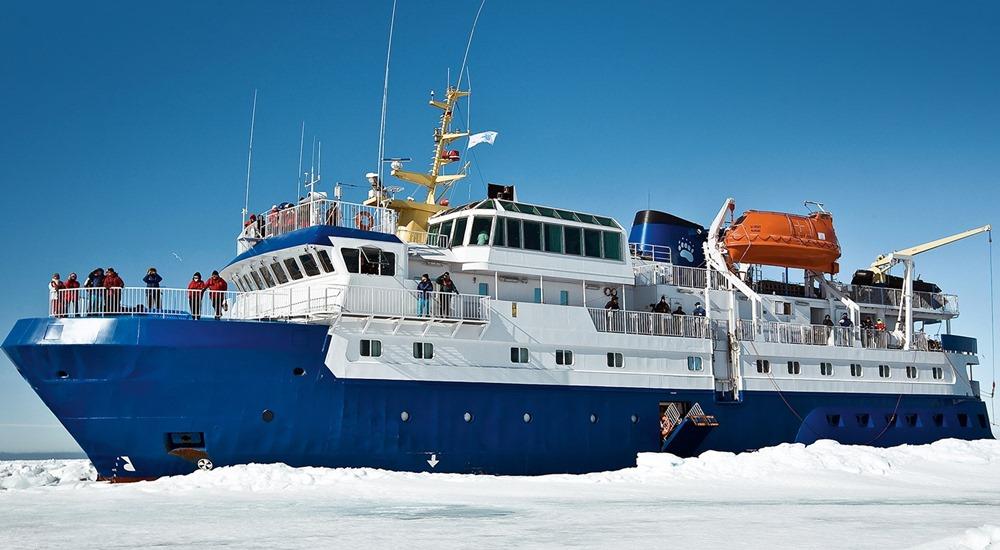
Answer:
(538, 296)
(257, 281)
(937, 373)
(293, 268)
(553, 238)
(266, 274)
(500, 234)
(532, 235)
(794, 368)
(616, 360)
(763, 366)
(481, 230)
(592, 243)
(279, 273)
(247, 283)
(574, 240)
(423, 350)
(375, 261)
(518, 355)
(856, 370)
(612, 245)
(564, 357)
(826, 369)
(911, 372)
(513, 233)
(371, 348)
(883, 371)
(564, 297)
(446, 231)
(324, 260)
(484, 289)
(458, 239)
(309, 265)
(694, 364)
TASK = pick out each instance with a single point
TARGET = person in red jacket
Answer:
(217, 293)
(114, 285)
(196, 291)
(72, 296)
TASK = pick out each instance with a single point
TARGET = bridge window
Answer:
(763, 366)
(616, 360)
(826, 369)
(256, 280)
(247, 283)
(279, 273)
(371, 348)
(592, 243)
(513, 233)
(937, 373)
(369, 261)
(481, 230)
(856, 370)
(794, 368)
(574, 241)
(267, 277)
(324, 260)
(532, 235)
(293, 269)
(309, 264)
(884, 371)
(446, 231)
(694, 364)
(519, 355)
(423, 350)
(500, 233)
(459, 238)
(564, 357)
(911, 372)
(612, 245)
(553, 237)
(564, 297)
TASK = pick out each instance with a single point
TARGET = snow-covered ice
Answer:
(825, 495)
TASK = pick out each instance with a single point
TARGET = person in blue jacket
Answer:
(152, 280)
(424, 288)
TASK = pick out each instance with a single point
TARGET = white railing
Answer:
(792, 333)
(651, 252)
(157, 302)
(676, 275)
(436, 240)
(415, 304)
(319, 212)
(294, 302)
(893, 297)
(653, 324)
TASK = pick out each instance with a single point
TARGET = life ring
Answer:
(364, 220)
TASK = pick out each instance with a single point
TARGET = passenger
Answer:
(113, 285)
(424, 289)
(196, 291)
(217, 287)
(483, 238)
(845, 321)
(679, 310)
(879, 324)
(662, 306)
(827, 321)
(72, 296)
(866, 323)
(447, 288)
(699, 311)
(96, 296)
(613, 303)
(56, 287)
(152, 280)
(272, 221)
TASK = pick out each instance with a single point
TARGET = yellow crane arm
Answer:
(882, 264)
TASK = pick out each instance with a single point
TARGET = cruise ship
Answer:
(564, 343)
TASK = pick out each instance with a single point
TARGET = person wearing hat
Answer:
(72, 295)
(845, 321)
(879, 324)
(447, 287)
(196, 290)
(55, 286)
(424, 289)
(698, 310)
(152, 280)
(216, 287)
(113, 284)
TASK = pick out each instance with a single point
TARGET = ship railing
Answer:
(293, 302)
(647, 323)
(893, 297)
(154, 302)
(794, 333)
(436, 240)
(416, 304)
(676, 275)
(651, 252)
(311, 212)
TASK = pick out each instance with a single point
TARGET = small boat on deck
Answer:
(784, 240)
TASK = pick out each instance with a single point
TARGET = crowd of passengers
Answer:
(866, 323)
(285, 217)
(660, 307)
(102, 294)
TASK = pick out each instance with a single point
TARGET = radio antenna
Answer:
(298, 175)
(253, 118)
(469, 45)
(385, 96)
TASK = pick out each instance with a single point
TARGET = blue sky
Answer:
(124, 125)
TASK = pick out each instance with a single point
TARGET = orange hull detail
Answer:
(784, 240)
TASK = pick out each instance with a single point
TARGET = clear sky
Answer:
(123, 125)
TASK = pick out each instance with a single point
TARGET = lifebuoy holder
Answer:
(364, 220)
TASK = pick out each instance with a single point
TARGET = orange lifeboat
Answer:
(784, 240)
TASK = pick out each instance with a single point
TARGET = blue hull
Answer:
(134, 381)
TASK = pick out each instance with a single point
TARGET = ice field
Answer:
(944, 495)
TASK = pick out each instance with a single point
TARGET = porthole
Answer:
(404, 416)
(467, 417)
(298, 371)
(635, 418)
(62, 374)
(527, 417)
(267, 415)
(593, 419)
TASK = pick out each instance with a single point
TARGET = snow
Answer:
(825, 495)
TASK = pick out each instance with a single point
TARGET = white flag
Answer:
(481, 137)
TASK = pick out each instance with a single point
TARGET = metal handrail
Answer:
(436, 240)
(893, 297)
(676, 275)
(313, 212)
(653, 324)
(154, 302)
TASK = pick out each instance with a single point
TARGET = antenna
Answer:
(298, 175)
(469, 45)
(385, 94)
(253, 118)
(312, 163)
(319, 161)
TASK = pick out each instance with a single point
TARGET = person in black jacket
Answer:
(152, 280)
(447, 287)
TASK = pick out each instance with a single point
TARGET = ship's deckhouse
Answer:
(495, 235)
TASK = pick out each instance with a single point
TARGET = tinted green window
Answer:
(458, 238)
(612, 245)
(532, 235)
(514, 233)
(481, 231)
(499, 235)
(592, 243)
(574, 240)
(553, 238)
(446, 231)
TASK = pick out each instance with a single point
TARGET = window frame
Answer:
(616, 360)
(374, 347)
(519, 355)
(695, 363)
(763, 366)
(564, 357)
(295, 274)
(423, 350)
(313, 263)
(279, 273)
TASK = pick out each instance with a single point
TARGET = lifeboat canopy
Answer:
(784, 240)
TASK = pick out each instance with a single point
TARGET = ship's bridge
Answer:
(495, 235)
